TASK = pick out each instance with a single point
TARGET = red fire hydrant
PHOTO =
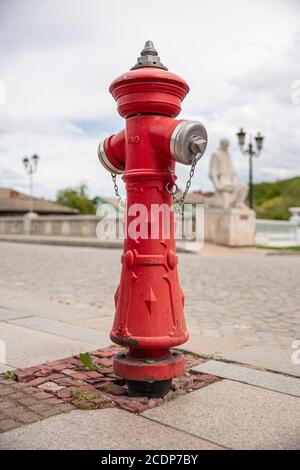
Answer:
(149, 317)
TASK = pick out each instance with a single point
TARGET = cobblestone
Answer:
(250, 296)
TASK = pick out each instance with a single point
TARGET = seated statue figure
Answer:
(228, 192)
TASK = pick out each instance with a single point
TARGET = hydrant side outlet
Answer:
(149, 318)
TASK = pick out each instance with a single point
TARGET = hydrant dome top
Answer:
(149, 57)
(149, 89)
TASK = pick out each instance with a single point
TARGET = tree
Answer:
(77, 198)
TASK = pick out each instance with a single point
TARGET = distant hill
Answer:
(272, 200)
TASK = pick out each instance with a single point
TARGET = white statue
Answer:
(229, 193)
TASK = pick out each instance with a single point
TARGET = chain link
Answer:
(116, 188)
(180, 200)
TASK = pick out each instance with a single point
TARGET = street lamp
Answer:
(31, 168)
(249, 150)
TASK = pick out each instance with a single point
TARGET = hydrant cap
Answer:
(149, 57)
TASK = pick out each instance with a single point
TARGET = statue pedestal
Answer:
(230, 227)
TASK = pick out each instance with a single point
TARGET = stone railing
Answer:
(277, 233)
(69, 226)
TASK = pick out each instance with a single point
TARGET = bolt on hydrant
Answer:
(149, 318)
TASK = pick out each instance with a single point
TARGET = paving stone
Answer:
(27, 401)
(42, 395)
(265, 357)
(269, 380)
(50, 387)
(26, 416)
(87, 335)
(54, 401)
(4, 391)
(40, 407)
(7, 314)
(258, 310)
(8, 424)
(36, 347)
(235, 415)
(206, 346)
(122, 431)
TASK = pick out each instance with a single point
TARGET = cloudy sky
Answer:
(58, 58)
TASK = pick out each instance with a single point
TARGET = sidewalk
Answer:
(255, 406)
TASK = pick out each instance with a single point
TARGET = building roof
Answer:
(12, 201)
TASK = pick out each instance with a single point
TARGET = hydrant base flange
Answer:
(150, 371)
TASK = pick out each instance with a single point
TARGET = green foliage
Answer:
(272, 200)
(9, 375)
(77, 198)
(87, 361)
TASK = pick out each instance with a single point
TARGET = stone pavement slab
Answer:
(59, 328)
(277, 382)
(235, 415)
(100, 429)
(207, 346)
(278, 359)
(7, 314)
(26, 347)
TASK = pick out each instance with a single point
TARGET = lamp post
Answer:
(31, 168)
(251, 152)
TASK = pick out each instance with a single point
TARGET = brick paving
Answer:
(61, 386)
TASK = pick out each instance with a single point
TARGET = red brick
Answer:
(54, 377)
(50, 412)
(64, 393)
(67, 382)
(6, 382)
(25, 375)
(105, 362)
(93, 374)
(17, 396)
(37, 381)
(44, 372)
(54, 401)
(65, 408)
(133, 406)
(7, 424)
(25, 416)
(68, 372)
(42, 395)
(103, 353)
(31, 390)
(80, 376)
(18, 385)
(6, 404)
(4, 391)
(59, 367)
(27, 401)
(39, 407)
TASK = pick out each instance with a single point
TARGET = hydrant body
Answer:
(149, 318)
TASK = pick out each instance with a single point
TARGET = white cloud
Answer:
(58, 58)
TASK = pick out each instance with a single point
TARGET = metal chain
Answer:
(180, 201)
(116, 188)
